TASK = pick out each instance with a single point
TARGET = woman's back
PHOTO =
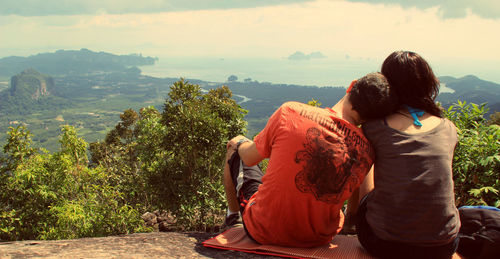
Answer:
(413, 199)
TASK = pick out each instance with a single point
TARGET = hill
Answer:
(72, 62)
(30, 91)
(471, 89)
(31, 84)
(91, 103)
(264, 98)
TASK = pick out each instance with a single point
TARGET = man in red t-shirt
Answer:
(317, 158)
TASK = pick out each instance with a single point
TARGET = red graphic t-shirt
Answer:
(316, 161)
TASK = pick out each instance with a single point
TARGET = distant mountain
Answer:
(299, 55)
(472, 90)
(30, 91)
(73, 62)
(31, 84)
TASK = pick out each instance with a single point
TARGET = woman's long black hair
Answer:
(413, 81)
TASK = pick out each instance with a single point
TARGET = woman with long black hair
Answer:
(408, 205)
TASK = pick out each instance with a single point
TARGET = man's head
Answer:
(371, 97)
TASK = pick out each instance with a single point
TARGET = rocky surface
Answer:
(160, 221)
(167, 241)
(138, 245)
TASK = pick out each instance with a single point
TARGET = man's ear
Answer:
(350, 86)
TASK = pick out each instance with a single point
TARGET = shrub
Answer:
(476, 164)
(55, 196)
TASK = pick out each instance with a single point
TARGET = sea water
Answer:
(311, 72)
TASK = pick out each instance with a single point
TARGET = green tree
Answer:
(152, 156)
(18, 153)
(17, 149)
(476, 164)
(197, 129)
(173, 160)
(73, 146)
(232, 78)
(118, 155)
(54, 196)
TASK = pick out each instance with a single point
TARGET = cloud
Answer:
(336, 28)
(64, 7)
(489, 9)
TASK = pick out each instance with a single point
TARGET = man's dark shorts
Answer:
(246, 179)
(388, 249)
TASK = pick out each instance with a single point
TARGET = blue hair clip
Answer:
(415, 113)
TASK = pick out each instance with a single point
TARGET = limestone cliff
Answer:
(31, 84)
(30, 91)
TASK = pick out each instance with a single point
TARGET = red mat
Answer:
(340, 247)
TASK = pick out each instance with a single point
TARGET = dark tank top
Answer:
(413, 200)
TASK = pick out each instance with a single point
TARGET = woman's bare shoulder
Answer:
(403, 121)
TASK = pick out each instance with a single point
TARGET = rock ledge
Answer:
(138, 245)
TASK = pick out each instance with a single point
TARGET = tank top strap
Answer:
(415, 113)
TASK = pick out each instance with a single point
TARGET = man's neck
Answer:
(344, 110)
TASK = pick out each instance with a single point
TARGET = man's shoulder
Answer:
(299, 107)
(293, 104)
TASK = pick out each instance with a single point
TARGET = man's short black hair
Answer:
(372, 98)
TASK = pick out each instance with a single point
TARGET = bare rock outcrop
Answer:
(138, 245)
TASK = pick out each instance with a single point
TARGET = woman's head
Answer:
(412, 80)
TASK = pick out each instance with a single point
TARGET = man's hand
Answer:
(248, 151)
(231, 144)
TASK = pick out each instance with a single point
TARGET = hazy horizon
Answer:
(328, 71)
(456, 37)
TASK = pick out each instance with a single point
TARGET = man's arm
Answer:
(247, 150)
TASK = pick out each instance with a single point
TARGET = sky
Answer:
(457, 37)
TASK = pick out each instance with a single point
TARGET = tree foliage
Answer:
(232, 78)
(314, 102)
(175, 157)
(476, 164)
(197, 128)
(118, 155)
(56, 196)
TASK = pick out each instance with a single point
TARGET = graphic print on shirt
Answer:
(326, 166)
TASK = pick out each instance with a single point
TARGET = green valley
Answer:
(92, 89)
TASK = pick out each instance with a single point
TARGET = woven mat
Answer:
(340, 247)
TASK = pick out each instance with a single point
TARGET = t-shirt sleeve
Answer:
(265, 139)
